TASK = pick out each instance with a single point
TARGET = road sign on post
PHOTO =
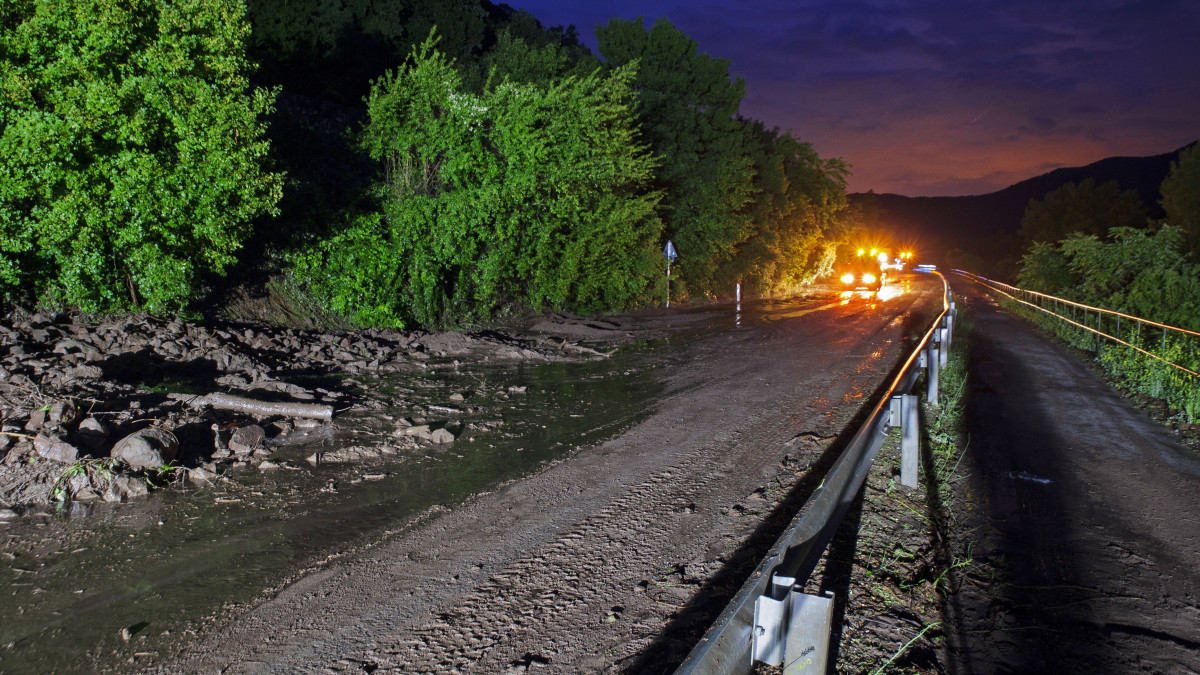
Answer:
(670, 254)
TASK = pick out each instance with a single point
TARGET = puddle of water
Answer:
(116, 589)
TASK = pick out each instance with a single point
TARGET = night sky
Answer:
(947, 97)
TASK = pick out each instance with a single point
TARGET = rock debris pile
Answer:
(109, 410)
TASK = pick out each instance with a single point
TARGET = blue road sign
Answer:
(669, 251)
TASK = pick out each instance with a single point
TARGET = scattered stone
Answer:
(92, 433)
(267, 465)
(62, 412)
(121, 488)
(280, 428)
(201, 477)
(56, 449)
(516, 390)
(37, 419)
(147, 449)
(440, 436)
(85, 372)
(7, 514)
(246, 439)
(421, 430)
(457, 397)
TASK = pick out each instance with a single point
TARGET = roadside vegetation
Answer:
(1150, 271)
(911, 550)
(390, 164)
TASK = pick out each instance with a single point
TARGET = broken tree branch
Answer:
(253, 407)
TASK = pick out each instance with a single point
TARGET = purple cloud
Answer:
(944, 96)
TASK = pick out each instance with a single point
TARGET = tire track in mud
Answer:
(582, 567)
(601, 557)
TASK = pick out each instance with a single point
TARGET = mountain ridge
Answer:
(982, 223)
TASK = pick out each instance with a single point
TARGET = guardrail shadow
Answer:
(689, 623)
(1021, 526)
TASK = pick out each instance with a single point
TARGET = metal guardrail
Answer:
(755, 625)
(1038, 301)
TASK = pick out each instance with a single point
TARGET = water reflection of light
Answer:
(889, 292)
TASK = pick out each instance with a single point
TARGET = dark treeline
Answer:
(392, 162)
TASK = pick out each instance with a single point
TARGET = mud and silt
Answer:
(423, 424)
(588, 514)
(1086, 518)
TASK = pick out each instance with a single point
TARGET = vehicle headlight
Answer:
(847, 278)
(868, 278)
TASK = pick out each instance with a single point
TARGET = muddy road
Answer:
(1086, 517)
(602, 525)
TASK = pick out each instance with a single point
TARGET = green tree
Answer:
(533, 193)
(688, 107)
(1081, 207)
(1044, 269)
(131, 151)
(1139, 272)
(797, 213)
(1181, 197)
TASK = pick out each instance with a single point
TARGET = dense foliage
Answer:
(1081, 207)
(1138, 272)
(503, 165)
(533, 193)
(742, 203)
(131, 152)
(1181, 198)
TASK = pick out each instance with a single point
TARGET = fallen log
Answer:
(250, 406)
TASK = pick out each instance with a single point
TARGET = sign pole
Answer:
(670, 254)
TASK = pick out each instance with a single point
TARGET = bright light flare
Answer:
(888, 293)
(868, 278)
(847, 278)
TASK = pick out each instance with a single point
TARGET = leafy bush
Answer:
(1137, 272)
(527, 193)
(131, 152)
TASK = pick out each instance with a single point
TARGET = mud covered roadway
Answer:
(591, 509)
(1086, 518)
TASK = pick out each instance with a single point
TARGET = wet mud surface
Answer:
(617, 558)
(590, 512)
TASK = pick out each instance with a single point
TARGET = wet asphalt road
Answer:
(1088, 509)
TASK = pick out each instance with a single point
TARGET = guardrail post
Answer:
(943, 345)
(910, 439)
(810, 623)
(931, 373)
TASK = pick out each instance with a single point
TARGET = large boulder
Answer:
(148, 448)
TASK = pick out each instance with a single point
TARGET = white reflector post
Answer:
(910, 440)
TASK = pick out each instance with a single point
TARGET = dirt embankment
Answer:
(109, 410)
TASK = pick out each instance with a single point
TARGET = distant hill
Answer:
(987, 224)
